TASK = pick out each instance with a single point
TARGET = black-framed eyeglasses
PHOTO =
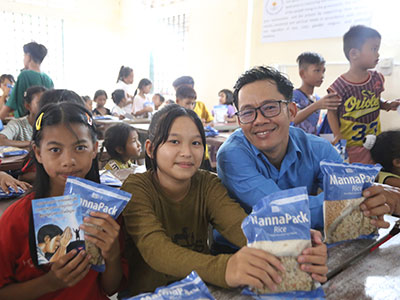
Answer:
(269, 109)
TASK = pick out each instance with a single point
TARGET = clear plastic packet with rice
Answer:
(96, 197)
(343, 186)
(280, 225)
(191, 287)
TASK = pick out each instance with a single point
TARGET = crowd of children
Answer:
(163, 233)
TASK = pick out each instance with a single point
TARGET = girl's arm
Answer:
(4, 141)
(105, 236)
(393, 181)
(65, 272)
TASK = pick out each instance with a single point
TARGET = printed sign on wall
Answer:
(286, 20)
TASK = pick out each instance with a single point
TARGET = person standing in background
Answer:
(30, 76)
(124, 82)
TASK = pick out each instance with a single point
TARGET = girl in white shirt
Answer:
(124, 82)
(142, 104)
(119, 99)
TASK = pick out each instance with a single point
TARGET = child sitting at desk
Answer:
(122, 144)
(6, 83)
(18, 132)
(100, 97)
(119, 99)
(226, 101)
(173, 204)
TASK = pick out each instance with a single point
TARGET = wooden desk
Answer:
(12, 163)
(214, 143)
(226, 126)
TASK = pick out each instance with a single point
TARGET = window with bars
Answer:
(19, 29)
(167, 60)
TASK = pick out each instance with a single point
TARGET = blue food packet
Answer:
(11, 193)
(343, 185)
(280, 225)
(97, 197)
(56, 223)
(191, 287)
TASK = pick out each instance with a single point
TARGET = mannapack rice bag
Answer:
(191, 287)
(280, 224)
(343, 186)
(97, 197)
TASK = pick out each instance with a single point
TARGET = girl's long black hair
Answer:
(55, 114)
(160, 127)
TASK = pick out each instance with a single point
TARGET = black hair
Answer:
(50, 230)
(117, 136)
(386, 149)
(160, 127)
(55, 114)
(356, 37)
(161, 97)
(117, 96)
(183, 80)
(86, 98)
(99, 93)
(124, 72)
(228, 96)
(309, 58)
(284, 86)
(7, 76)
(60, 95)
(37, 51)
(32, 91)
(142, 83)
(185, 92)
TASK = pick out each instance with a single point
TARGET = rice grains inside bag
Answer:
(191, 287)
(343, 186)
(280, 224)
(96, 197)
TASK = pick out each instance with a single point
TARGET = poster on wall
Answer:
(288, 20)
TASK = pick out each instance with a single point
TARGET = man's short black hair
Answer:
(37, 51)
(309, 58)
(285, 87)
(183, 80)
(356, 37)
(185, 92)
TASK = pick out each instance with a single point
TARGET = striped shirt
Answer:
(358, 114)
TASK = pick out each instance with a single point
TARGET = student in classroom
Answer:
(385, 150)
(360, 89)
(142, 105)
(6, 84)
(88, 102)
(18, 132)
(226, 99)
(172, 204)
(158, 101)
(119, 98)
(124, 82)
(186, 97)
(100, 98)
(122, 144)
(64, 144)
(311, 71)
(30, 76)
(199, 107)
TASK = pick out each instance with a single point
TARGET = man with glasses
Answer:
(267, 155)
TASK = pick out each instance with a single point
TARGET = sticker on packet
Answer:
(191, 287)
(96, 197)
(343, 187)
(280, 225)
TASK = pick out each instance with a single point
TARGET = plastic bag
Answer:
(97, 197)
(191, 287)
(280, 224)
(343, 186)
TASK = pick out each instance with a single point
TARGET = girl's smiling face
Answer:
(65, 151)
(181, 155)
